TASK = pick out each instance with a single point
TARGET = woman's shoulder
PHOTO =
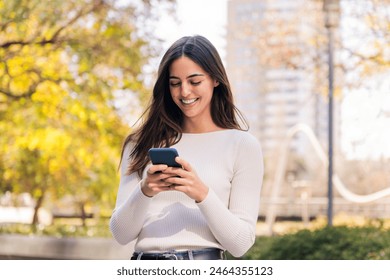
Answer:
(244, 135)
(245, 141)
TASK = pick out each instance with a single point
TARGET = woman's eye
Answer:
(175, 84)
(195, 83)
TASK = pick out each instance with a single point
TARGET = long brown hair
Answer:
(162, 126)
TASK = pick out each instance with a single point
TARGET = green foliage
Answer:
(60, 229)
(329, 243)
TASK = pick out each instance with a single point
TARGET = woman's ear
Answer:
(216, 83)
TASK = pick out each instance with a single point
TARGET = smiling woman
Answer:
(211, 203)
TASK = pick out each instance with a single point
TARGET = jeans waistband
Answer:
(202, 254)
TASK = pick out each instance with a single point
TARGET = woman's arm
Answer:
(235, 227)
(130, 210)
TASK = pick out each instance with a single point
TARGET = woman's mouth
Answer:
(188, 101)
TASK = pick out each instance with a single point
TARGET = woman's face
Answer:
(191, 89)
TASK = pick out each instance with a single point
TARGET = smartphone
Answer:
(164, 156)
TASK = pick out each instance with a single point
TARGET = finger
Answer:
(183, 163)
(165, 188)
(175, 172)
(153, 169)
(178, 188)
(159, 185)
(167, 174)
(175, 181)
(163, 176)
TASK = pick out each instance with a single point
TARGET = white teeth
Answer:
(189, 101)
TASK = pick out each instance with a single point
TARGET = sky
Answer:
(365, 113)
(202, 17)
(366, 120)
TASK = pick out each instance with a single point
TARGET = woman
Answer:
(211, 204)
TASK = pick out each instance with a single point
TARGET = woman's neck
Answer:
(200, 127)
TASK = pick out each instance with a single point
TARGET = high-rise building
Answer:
(276, 60)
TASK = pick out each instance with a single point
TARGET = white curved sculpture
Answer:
(281, 168)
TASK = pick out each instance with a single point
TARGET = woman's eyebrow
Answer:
(195, 75)
(190, 76)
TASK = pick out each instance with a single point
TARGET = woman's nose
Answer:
(185, 90)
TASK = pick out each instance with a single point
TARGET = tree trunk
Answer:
(38, 205)
(83, 214)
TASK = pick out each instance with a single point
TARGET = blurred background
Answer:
(76, 75)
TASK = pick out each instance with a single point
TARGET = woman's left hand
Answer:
(187, 181)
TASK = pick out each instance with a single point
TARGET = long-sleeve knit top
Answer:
(230, 163)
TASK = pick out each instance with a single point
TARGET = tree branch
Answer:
(55, 38)
(373, 58)
(97, 4)
(31, 90)
(27, 94)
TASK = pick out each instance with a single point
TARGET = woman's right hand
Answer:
(154, 182)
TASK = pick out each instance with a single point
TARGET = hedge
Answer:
(328, 243)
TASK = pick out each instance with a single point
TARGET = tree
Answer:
(298, 40)
(61, 65)
(366, 38)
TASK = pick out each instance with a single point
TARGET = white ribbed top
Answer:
(230, 163)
